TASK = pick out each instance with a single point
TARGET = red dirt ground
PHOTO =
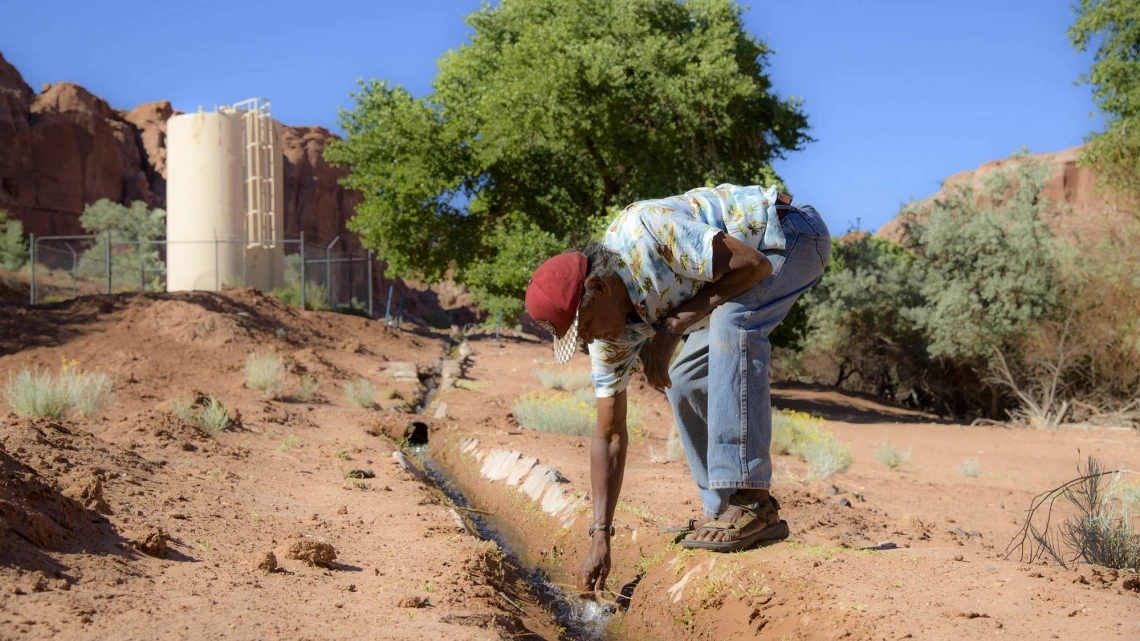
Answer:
(86, 506)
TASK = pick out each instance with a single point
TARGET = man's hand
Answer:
(655, 359)
(596, 567)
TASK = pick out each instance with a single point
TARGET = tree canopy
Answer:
(553, 116)
(1115, 79)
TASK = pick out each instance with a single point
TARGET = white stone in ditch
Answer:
(403, 371)
(521, 468)
(540, 478)
(503, 466)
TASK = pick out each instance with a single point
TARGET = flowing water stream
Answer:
(583, 619)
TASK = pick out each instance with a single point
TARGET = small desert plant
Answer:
(563, 378)
(674, 451)
(574, 413)
(36, 393)
(361, 394)
(290, 442)
(891, 456)
(801, 435)
(1099, 533)
(211, 417)
(558, 412)
(307, 387)
(316, 298)
(971, 467)
(265, 373)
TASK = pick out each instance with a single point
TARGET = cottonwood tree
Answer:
(553, 116)
(1113, 154)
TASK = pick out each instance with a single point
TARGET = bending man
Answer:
(720, 268)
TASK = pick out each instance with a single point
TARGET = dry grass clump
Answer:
(564, 413)
(307, 387)
(565, 379)
(265, 374)
(361, 394)
(1100, 532)
(806, 437)
(211, 417)
(971, 467)
(558, 413)
(674, 451)
(892, 457)
(35, 393)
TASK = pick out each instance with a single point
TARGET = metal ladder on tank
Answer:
(260, 171)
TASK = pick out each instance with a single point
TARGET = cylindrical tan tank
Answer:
(205, 203)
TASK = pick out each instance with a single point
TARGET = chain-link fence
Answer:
(317, 276)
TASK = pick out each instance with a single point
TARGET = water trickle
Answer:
(584, 619)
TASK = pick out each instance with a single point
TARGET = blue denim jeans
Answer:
(720, 391)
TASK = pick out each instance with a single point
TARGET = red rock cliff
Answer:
(1068, 185)
(64, 148)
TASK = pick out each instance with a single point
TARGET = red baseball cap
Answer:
(552, 299)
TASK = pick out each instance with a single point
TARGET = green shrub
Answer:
(354, 308)
(265, 373)
(562, 378)
(211, 416)
(315, 296)
(134, 264)
(13, 244)
(361, 394)
(573, 413)
(807, 438)
(307, 387)
(36, 393)
(558, 413)
(891, 456)
(971, 467)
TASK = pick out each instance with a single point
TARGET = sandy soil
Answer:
(133, 525)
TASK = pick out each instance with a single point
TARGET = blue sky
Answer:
(900, 93)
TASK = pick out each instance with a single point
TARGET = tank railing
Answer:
(121, 268)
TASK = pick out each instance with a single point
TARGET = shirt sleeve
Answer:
(682, 242)
(611, 362)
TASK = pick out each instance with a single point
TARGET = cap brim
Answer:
(564, 347)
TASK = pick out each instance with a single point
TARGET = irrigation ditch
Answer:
(442, 465)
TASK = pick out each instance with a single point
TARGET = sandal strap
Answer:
(752, 511)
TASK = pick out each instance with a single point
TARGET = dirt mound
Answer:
(155, 427)
(32, 511)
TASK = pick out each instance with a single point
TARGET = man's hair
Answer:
(601, 262)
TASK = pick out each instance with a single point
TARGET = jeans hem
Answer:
(740, 485)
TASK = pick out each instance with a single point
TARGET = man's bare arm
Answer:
(736, 269)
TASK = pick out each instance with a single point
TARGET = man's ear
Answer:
(598, 285)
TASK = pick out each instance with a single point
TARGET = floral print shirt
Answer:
(666, 257)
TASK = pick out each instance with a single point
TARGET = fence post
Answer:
(388, 306)
(74, 271)
(498, 324)
(107, 258)
(328, 271)
(370, 314)
(302, 270)
(32, 252)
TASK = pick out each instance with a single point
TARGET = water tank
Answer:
(224, 197)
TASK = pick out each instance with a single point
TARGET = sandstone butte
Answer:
(65, 147)
(1084, 211)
